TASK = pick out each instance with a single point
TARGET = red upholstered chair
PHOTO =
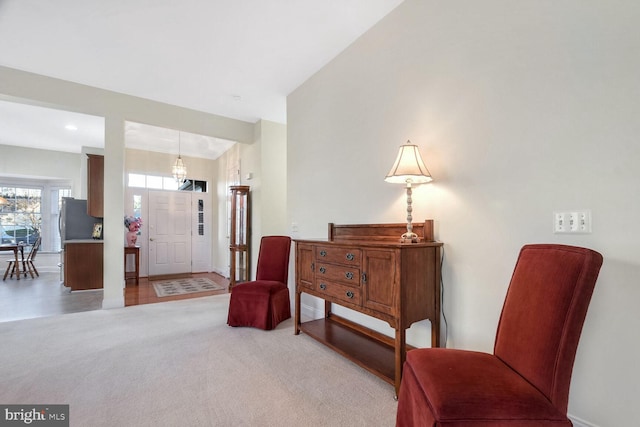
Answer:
(264, 302)
(525, 382)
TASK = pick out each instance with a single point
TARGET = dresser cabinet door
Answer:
(380, 280)
(304, 265)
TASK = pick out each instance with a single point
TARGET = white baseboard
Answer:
(309, 312)
(224, 273)
(577, 422)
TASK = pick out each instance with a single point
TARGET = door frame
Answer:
(143, 240)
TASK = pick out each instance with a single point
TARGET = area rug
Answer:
(167, 288)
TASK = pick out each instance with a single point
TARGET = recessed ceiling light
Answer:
(71, 127)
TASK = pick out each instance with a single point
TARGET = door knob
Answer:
(151, 239)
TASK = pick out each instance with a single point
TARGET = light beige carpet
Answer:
(178, 364)
(166, 288)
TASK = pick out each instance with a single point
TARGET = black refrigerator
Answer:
(74, 222)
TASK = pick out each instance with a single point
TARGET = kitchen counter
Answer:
(74, 241)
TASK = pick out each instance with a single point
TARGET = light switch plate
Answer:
(572, 222)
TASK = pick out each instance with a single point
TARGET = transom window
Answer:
(156, 182)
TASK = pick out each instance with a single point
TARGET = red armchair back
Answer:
(273, 259)
(543, 314)
(526, 381)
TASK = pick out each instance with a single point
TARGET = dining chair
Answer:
(27, 263)
(30, 266)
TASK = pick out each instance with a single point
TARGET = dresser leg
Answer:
(400, 353)
(327, 309)
(296, 318)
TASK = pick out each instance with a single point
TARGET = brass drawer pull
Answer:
(323, 253)
(323, 286)
(349, 294)
(348, 275)
(350, 256)
(323, 270)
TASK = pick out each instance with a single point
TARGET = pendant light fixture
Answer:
(179, 170)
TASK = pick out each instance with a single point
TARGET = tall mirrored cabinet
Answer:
(240, 234)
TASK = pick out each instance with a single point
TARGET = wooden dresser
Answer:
(367, 269)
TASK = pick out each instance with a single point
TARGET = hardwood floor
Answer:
(145, 294)
(45, 296)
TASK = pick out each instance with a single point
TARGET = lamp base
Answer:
(409, 237)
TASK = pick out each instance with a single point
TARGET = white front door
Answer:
(169, 232)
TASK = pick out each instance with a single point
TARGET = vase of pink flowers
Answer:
(133, 225)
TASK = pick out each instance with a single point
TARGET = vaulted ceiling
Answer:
(234, 58)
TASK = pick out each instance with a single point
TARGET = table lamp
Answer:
(409, 169)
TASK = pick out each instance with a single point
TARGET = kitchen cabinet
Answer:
(95, 185)
(83, 267)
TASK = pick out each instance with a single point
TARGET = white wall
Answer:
(520, 109)
(20, 86)
(263, 167)
(152, 163)
(35, 163)
(273, 156)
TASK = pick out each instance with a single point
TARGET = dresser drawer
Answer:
(340, 255)
(337, 291)
(338, 273)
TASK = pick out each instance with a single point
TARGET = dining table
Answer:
(16, 249)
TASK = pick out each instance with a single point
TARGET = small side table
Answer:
(135, 251)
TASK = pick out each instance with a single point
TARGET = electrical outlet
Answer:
(574, 222)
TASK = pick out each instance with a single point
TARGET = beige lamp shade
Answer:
(3, 201)
(408, 167)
